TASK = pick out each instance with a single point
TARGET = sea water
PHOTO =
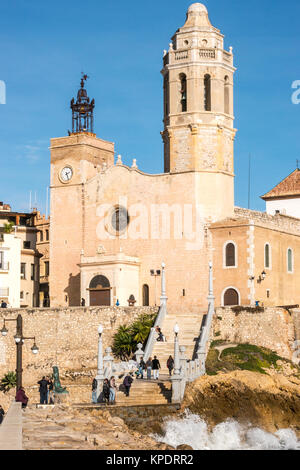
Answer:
(230, 435)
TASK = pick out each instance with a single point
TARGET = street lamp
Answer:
(155, 274)
(100, 365)
(19, 340)
(176, 351)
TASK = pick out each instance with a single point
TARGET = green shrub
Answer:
(8, 381)
(127, 338)
(243, 357)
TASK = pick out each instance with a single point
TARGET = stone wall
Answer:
(65, 337)
(279, 222)
(272, 328)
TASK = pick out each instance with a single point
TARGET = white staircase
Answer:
(189, 324)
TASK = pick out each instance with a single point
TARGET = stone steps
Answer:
(189, 325)
(142, 392)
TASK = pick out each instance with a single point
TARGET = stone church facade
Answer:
(112, 226)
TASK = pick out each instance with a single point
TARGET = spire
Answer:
(82, 110)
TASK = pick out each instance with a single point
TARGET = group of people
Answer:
(109, 389)
(46, 391)
(153, 365)
(148, 367)
(108, 394)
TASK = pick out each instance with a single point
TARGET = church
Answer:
(114, 228)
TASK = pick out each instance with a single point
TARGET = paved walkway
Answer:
(11, 428)
(222, 348)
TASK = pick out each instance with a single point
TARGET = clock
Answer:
(66, 174)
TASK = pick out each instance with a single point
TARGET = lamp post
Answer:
(155, 274)
(176, 379)
(100, 367)
(19, 340)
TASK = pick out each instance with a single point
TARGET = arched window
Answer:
(290, 260)
(231, 297)
(230, 255)
(145, 295)
(99, 282)
(183, 92)
(267, 256)
(226, 95)
(207, 93)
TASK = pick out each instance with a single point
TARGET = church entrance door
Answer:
(100, 297)
(99, 291)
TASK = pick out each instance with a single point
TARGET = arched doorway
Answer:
(145, 295)
(231, 297)
(99, 291)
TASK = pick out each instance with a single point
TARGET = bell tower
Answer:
(198, 100)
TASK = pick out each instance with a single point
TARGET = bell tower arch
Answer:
(198, 100)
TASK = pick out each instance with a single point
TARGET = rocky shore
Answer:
(270, 402)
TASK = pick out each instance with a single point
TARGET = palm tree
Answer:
(8, 228)
(123, 343)
(8, 381)
(140, 332)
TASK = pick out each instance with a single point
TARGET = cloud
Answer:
(32, 151)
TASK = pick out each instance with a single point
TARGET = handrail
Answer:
(151, 338)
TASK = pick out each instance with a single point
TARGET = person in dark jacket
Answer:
(21, 397)
(3, 304)
(1, 414)
(155, 368)
(106, 390)
(43, 391)
(127, 384)
(170, 364)
(94, 391)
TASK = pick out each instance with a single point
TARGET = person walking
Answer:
(155, 367)
(170, 365)
(21, 397)
(94, 391)
(142, 367)
(127, 384)
(113, 390)
(149, 368)
(43, 391)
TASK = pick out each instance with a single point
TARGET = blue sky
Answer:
(46, 45)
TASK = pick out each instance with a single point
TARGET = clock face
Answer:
(66, 174)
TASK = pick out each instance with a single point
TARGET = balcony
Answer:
(181, 55)
(207, 53)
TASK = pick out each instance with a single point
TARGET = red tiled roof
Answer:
(290, 186)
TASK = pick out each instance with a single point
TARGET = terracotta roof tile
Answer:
(290, 186)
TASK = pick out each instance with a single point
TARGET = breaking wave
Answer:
(230, 435)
